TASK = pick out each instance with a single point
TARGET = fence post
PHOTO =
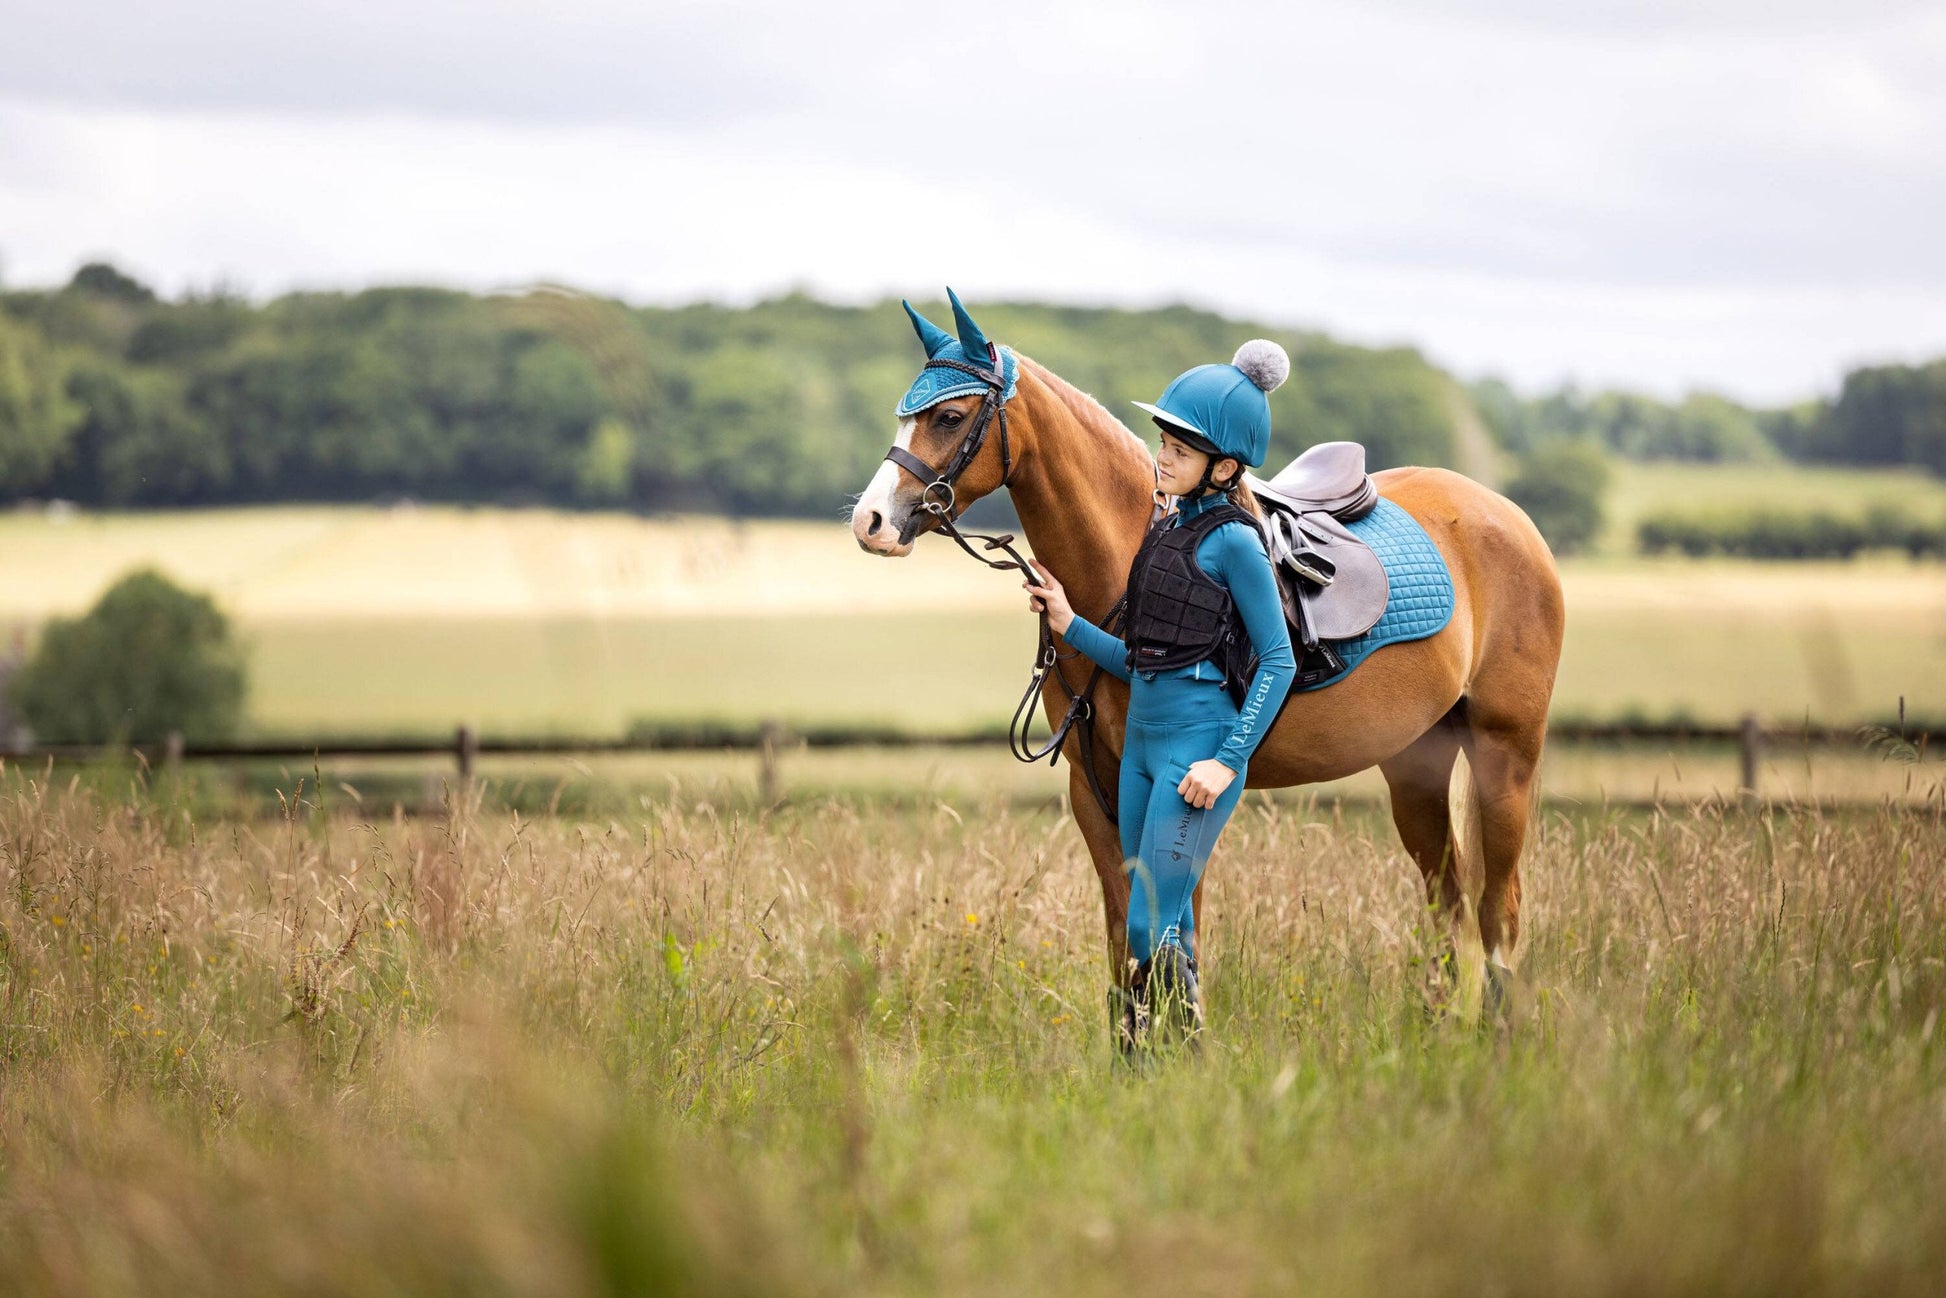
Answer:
(466, 747)
(1749, 741)
(172, 750)
(773, 739)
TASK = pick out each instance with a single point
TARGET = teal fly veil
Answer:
(936, 383)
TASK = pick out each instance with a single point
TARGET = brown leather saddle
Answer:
(1333, 585)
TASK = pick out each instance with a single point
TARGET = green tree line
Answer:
(1882, 416)
(111, 395)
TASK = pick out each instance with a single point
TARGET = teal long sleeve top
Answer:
(1234, 555)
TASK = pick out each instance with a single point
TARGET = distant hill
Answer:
(113, 396)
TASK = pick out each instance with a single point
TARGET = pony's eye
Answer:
(951, 418)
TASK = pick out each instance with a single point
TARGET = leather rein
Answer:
(938, 498)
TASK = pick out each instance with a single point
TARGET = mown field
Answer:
(838, 1049)
(529, 622)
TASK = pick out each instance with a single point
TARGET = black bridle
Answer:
(939, 498)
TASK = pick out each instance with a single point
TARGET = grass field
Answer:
(837, 1050)
(412, 620)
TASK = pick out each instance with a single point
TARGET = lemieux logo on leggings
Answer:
(1176, 852)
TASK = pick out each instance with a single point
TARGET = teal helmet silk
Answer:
(1225, 409)
(938, 382)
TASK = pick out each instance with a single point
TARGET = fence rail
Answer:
(769, 740)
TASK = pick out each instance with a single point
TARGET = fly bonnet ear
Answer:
(1264, 363)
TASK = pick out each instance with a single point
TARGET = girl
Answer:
(1208, 660)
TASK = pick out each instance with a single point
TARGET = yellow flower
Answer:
(58, 921)
(972, 920)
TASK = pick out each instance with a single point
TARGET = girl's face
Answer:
(1179, 466)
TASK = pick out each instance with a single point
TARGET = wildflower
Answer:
(57, 921)
(972, 920)
(138, 1009)
(180, 1052)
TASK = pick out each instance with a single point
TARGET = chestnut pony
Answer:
(1082, 485)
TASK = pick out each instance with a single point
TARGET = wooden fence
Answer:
(769, 740)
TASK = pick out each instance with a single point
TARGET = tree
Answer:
(147, 659)
(1560, 484)
(607, 465)
(36, 417)
(104, 280)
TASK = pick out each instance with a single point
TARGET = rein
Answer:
(938, 499)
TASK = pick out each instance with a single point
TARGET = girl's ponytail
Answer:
(1245, 499)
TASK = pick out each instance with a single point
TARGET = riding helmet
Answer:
(1225, 409)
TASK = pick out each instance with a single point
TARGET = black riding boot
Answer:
(1128, 1022)
(1174, 996)
(1161, 1006)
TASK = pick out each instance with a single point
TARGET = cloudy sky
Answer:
(1745, 195)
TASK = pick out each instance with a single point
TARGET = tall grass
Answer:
(842, 1049)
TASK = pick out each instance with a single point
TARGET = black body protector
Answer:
(1177, 613)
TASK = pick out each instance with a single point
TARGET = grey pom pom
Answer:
(1266, 364)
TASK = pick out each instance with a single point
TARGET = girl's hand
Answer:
(1049, 595)
(1205, 782)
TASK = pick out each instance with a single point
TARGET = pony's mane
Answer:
(1086, 401)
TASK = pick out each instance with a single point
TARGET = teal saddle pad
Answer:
(1421, 600)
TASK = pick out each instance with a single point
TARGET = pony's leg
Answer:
(1504, 749)
(1419, 778)
(1104, 842)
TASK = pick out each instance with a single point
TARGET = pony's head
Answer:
(949, 424)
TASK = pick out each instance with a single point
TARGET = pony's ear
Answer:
(930, 334)
(971, 340)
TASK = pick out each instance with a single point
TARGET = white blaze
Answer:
(877, 499)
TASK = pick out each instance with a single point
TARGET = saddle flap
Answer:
(1333, 585)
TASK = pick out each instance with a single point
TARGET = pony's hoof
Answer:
(1497, 1000)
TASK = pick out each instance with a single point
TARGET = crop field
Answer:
(531, 622)
(841, 1049)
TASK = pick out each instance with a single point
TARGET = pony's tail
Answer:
(1468, 838)
(1470, 989)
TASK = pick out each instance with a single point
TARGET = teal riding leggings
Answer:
(1165, 841)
